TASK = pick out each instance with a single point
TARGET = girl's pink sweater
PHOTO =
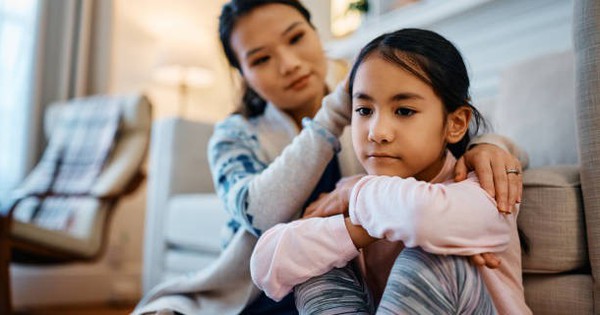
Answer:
(441, 216)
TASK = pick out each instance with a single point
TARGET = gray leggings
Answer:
(419, 283)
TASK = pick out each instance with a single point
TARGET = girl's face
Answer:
(399, 127)
(281, 58)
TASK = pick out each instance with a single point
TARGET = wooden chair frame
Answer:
(42, 255)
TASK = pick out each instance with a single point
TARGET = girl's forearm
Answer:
(359, 236)
(447, 219)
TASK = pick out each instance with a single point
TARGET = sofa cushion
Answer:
(559, 294)
(537, 99)
(195, 222)
(552, 218)
(184, 261)
(81, 236)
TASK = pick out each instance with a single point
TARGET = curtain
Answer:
(18, 25)
(65, 54)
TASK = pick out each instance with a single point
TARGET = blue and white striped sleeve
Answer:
(233, 163)
(260, 194)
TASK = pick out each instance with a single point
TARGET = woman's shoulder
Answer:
(236, 126)
(233, 121)
(235, 129)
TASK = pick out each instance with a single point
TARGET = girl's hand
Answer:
(489, 260)
(335, 202)
(491, 163)
(359, 236)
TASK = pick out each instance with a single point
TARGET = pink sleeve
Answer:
(291, 253)
(449, 218)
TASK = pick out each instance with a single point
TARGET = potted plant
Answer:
(361, 6)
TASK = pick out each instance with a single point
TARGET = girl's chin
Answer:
(386, 171)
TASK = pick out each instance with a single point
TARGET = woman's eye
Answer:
(259, 61)
(296, 38)
(405, 112)
(363, 111)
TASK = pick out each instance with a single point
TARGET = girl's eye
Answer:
(405, 112)
(363, 111)
(259, 61)
(296, 38)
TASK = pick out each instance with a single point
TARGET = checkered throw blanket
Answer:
(80, 144)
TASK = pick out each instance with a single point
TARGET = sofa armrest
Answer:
(552, 218)
(178, 165)
(196, 222)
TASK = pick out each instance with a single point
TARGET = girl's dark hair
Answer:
(252, 104)
(435, 61)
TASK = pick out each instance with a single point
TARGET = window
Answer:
(18, 25)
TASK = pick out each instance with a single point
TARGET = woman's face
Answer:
(281, 58)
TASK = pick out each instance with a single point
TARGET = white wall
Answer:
(491, 34)
(148, 31)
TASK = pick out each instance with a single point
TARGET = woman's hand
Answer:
(491, 164)
(335, 202)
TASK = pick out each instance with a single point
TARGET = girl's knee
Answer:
(339, 291)
(424, 283)
(415, 261)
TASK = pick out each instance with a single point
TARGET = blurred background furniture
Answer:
(550, 106)
(587, 56)
(61, 213)
(536, 108)
(184, 217)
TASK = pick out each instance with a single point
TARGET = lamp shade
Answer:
(182, 67)
(178, 74)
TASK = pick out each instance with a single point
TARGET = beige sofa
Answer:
(536, 107)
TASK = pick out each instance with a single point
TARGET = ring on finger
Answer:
(515, 171)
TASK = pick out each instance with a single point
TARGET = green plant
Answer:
(359, 5)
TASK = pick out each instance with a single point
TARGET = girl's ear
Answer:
(457, 124)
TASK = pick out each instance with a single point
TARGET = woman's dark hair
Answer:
(435, 61)
(252, 104)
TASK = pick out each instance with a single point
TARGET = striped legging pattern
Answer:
(340, 291)
(419, 283)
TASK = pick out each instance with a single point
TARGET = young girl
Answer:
(411, 116)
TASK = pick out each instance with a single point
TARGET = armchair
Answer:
(61, 212)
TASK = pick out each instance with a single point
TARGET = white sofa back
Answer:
(535, 108)
(184, 214)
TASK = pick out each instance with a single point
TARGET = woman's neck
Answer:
(309, 109)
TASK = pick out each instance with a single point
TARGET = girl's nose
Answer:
(290, 62)
(381, 130)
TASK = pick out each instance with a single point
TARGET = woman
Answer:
(267, 167)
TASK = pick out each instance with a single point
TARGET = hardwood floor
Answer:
(79, 310)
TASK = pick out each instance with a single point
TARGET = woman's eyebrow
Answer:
(291, 27)
(254, 51)
(286, 31)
